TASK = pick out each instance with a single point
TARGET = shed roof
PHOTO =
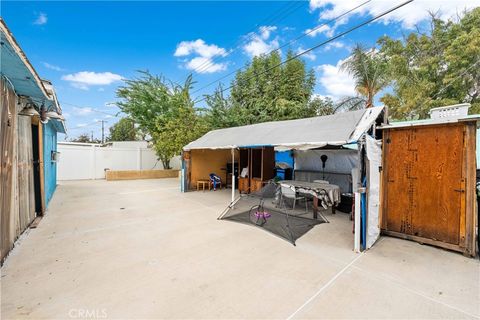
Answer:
(23, 77)
(17, 67)
(300, 134)
(429, 122)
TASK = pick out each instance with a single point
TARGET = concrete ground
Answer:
(142, 249)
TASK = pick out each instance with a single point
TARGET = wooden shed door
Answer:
(424, 187)
(25, 185)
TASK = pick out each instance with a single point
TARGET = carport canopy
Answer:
(301, 134)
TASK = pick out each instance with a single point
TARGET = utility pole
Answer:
(91, 139)
(103, 129)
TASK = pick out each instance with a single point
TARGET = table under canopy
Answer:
(328, 195)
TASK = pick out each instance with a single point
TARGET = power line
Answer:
(83, 126)
(288, 43)
(103, 129)
(250, 33)
(448, 85)
(294, 5)
(90, 108)
(322, 43)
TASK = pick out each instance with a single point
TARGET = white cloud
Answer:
(259, 43)
(309, 55)
(204, 54)
(334, 45)
(41, 19)
(408, 15)
(205, 65)
(110, 104)
(326, 29)
(52, 67)
(81, 125)
(265, 31)
(199, 47)
(321, 96)
(84, 79)
(82, 111)
(80, 86)
(336, 83)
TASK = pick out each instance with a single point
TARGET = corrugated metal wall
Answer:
(49, 166)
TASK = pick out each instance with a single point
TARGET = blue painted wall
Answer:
(49, 167)
(284, 156)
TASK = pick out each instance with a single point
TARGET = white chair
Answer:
(289, 193)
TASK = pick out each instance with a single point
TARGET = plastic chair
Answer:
(214, 181)
(289, 193)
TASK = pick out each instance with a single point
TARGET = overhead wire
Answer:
(250, 34)
(289, 43)
(90, 108)
(294, 5)
(451, 82)
(368, 21)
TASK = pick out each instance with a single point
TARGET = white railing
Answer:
(450, 112)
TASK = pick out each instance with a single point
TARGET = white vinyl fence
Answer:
(89, 161)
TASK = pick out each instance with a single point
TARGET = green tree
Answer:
(84, 138)
(123, 130)
(164, 110)
(219, 114)
(264, 91)
(144, 99)
(175, 132)
(179, 126)
(321, 107)
(434, 68)
(368, 69)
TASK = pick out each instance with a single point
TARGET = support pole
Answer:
(356, 242)
(356, 228)
(233, 175)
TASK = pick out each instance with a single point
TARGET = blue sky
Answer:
(86, 48)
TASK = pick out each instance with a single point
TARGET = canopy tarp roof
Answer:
(300, 134)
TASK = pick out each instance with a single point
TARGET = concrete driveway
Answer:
(141, 249)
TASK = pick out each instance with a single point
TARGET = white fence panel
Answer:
(74, 163)
(80, 162)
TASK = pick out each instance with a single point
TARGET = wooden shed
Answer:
(429, 181)
(30, 118)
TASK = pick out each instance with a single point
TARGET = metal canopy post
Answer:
(233, 175)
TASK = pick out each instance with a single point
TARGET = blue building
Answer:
(30, 119)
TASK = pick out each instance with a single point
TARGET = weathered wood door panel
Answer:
(25, 191)
(7, 163)
(424, 182)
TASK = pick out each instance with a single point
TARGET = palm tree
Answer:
(368, 69)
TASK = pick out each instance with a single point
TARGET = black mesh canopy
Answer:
(263, 209)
